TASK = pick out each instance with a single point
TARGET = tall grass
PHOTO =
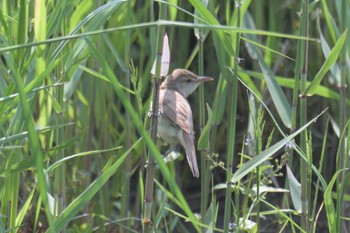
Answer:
(76, 137)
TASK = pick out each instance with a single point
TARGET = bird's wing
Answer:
(177, 109)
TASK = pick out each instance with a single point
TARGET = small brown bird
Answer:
(175, 124)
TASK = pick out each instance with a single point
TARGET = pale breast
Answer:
(167, 131)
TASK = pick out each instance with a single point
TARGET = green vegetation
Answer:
(78, 143)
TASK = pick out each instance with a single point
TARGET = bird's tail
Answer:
(188, 144)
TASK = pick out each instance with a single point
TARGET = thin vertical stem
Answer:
(60, 173)
(22, 28)
(232, 104)
(154, 126)
(127, 175)
(205, 171)
(295, 100)
(342, 185)
(14, 190)
(59, 192)
(303, 118)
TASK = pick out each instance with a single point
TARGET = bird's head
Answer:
(183, 81)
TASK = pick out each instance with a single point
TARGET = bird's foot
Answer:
(151, 113)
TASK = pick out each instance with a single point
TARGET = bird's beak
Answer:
(204, 79)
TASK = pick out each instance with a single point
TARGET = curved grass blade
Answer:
(330, 60)
(75, 206)
(295, 190)
(200, 33)
(65, 159)
(262, 157)
(280, 100)
(322, 91)
(329, 204)
(205, 14)
(25, 208)
(212, 27)
(164, 68)
(18, 136)
(203, 141)
(335, 69)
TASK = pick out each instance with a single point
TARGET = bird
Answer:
(175, 122)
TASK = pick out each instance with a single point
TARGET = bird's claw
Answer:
(148, 163)
(150, 114)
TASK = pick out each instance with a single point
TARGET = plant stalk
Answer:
(147, 219)
(303, 119)
(128, 162)
(205, 171)
(232, 104)
(343, 186)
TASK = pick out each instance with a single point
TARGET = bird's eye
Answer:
(188, 80)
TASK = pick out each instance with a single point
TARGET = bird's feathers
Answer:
(175, 124)
(190, 152)
(178, 112)
(175, 107)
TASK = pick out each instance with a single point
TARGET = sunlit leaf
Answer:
(266, 154)
(165, 59)
(200, 33)
(203, 141)
(295, 190)
(25, 208)
(330, 60)
(329, 203)
(77, 204)
(173, 10)
(335, 69)
(86, 153)
(278, 97)
(56, 105)
(71, 86)
(248, 225)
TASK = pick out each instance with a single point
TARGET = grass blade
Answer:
(259, 159)
(330, 60)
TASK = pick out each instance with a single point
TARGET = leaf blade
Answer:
(330, 60)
